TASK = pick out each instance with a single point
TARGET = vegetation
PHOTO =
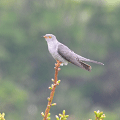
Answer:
(91, 29)
(46, 116)
(2, 116)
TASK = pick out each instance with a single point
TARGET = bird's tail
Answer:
(95, 62)
(80, 58)
(85, 66)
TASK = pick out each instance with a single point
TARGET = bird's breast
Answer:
(53, 50)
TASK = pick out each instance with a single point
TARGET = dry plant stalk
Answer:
(57, 69)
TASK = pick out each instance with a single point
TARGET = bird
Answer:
(65, 55)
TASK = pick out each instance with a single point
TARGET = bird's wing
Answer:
(72, 57)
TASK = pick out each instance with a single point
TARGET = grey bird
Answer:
(62, 53)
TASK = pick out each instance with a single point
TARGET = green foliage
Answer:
(62, 116)
(2, 116)
(91, 29)
(99, 115)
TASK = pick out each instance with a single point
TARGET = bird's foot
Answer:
(57, 65)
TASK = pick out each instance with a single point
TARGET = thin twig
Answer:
(57, 69)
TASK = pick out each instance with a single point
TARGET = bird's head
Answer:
(49, 37)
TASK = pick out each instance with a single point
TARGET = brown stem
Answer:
(53, 89)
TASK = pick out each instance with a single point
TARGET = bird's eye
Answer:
(50, 37)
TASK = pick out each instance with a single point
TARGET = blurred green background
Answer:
(90, 28)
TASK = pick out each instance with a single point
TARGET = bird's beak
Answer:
(45, 36)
